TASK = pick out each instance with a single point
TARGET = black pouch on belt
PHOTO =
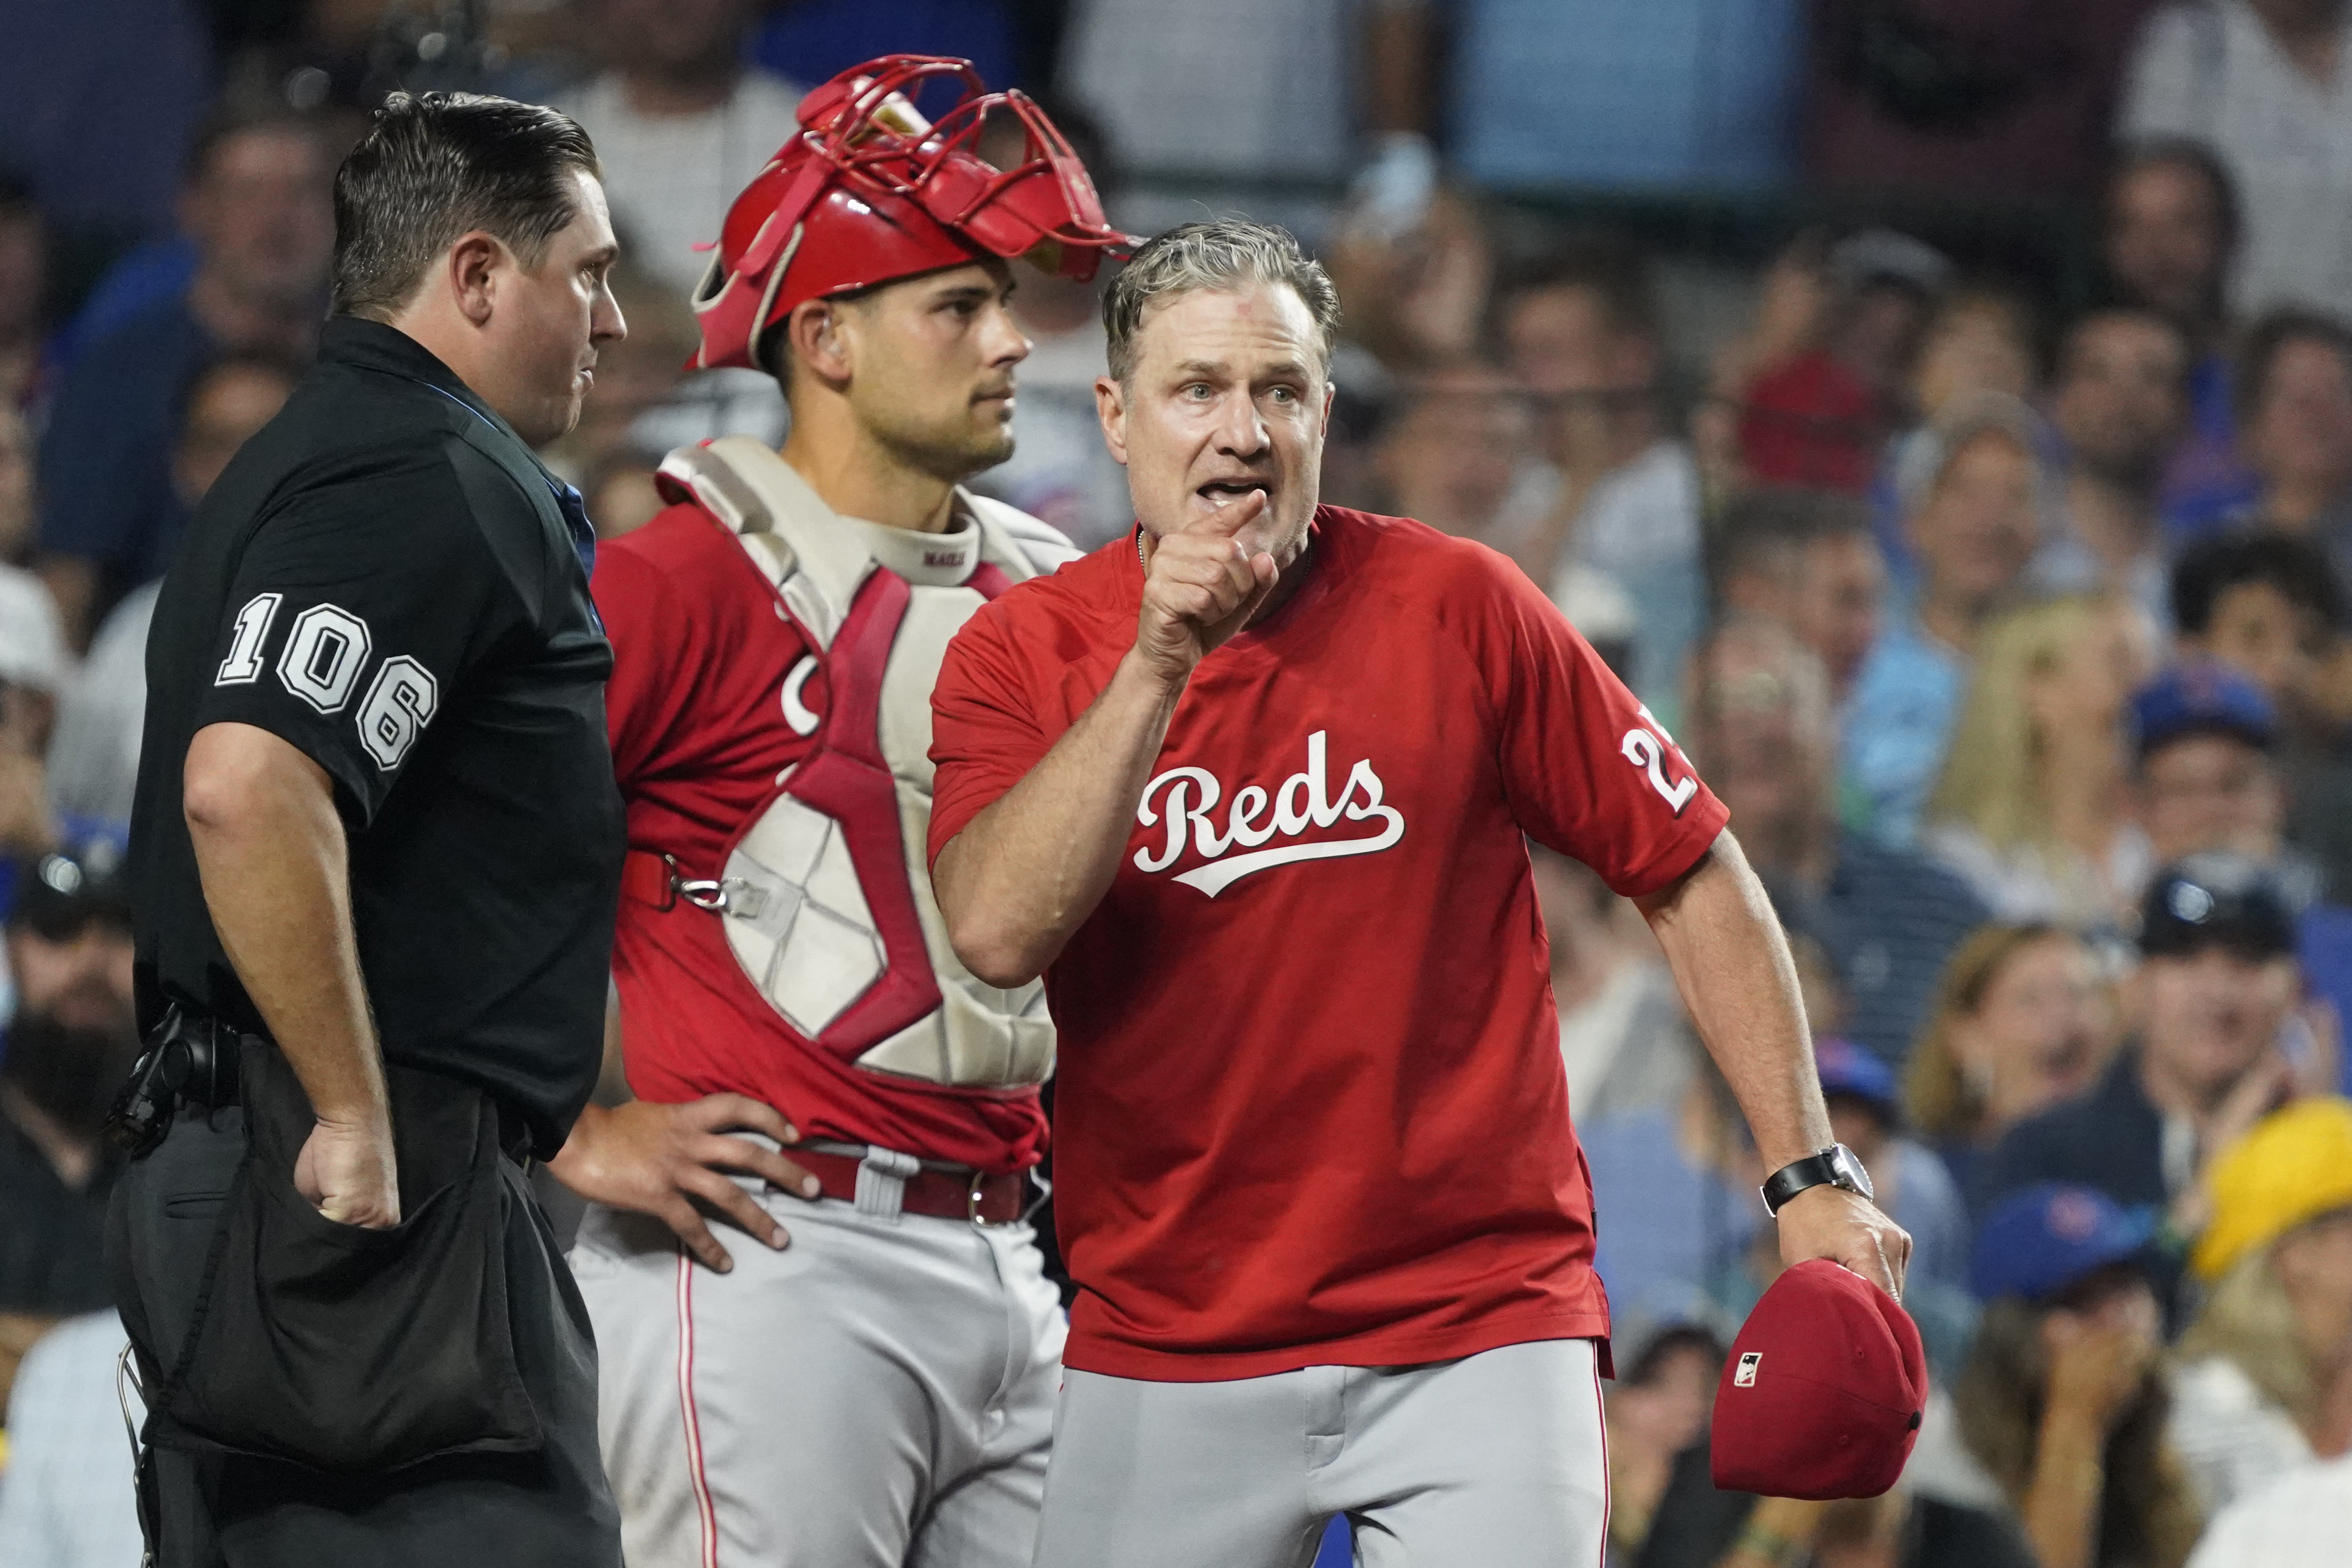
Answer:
(347, 1350)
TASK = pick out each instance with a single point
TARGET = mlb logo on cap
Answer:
(1824, 1391)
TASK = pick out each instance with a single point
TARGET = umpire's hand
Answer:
(670, 1161)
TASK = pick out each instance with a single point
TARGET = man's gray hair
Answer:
(1220, 253)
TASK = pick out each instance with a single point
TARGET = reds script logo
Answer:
(1186, 796)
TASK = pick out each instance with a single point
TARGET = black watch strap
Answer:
(1814, 1170)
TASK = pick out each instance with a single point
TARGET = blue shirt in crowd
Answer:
(106, 458)
(1888, 918)
(1897, 723)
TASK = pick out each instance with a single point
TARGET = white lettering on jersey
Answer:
(398, 708)
(242, 665)
(796, 713)
(323, 656)
(1646, 749)
(1187, 796)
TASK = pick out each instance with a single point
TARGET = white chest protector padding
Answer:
(808, 930)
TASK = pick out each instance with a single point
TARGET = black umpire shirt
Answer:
(388, 579)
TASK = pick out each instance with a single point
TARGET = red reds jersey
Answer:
(1311, 1108)
(770, 712)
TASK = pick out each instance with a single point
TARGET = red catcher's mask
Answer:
(869, 191)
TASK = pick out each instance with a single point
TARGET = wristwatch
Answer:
(1833, 1166)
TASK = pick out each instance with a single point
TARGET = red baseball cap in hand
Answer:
(1823, 1391)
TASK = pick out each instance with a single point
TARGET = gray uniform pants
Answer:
(880, 1392)
(1496, 1460)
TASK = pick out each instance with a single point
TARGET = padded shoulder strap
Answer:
(1018, 543)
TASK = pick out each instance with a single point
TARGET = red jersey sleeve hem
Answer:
(1706, 824)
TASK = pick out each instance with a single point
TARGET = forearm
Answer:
(1025, 873)
(271, 852)
(2061, 1509)
(1739, 985)
(1397, 52)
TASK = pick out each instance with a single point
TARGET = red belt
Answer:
(940, 1194)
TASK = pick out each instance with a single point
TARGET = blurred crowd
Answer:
(1939, 411)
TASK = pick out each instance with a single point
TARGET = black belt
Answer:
(195, 1060)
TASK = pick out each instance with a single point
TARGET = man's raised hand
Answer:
(1201, 587)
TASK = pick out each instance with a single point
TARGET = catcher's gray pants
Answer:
(1496, 1460)
(880, 1392)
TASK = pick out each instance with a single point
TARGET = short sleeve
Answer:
(986, 736)
(1587, 770)
(360, 605)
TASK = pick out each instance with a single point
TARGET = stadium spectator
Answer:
(2204, 739)
(1822, 418)
(258, 208)
(69, 1046)
(1580, 329)
(93, 757)
(2271, 604)
(680, 122)
(1760, 730)
(2034, 805)
(2263, 1380)
(68, 1501)
(2023, 1020)
(1454, 450)
(24, 291)
(2300, 1519)
(1622, 1035)
(1970, 497)
(1656, 1405)
(1807, 559)
(2263, 83)
(1415, 270)
(2295, 401)
(2216, 978)
(1060, 471)
(2120, 404)
(2063, 1402)
(1785, 321)
(2169, 237)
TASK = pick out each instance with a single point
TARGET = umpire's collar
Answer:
(371, 346)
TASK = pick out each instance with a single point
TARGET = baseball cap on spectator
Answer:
(2217, 900)
(1823, 1391)
(59, 894)
(2202, 698)
(2293, 1168)
(1847, 1069)
(2042, 1240)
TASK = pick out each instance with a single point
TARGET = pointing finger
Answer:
(1232, 517)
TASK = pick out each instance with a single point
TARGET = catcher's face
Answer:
(929, 364)
(1228, 395)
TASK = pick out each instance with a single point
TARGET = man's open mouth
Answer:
(1221, 492)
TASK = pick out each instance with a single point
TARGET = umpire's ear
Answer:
(470, 271)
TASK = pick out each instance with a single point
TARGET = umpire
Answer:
(375, 853)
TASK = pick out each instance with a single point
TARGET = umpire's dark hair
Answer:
(434, 166)
(2297, 568)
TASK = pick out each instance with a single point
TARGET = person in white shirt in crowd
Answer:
(1972, 489)
(36, 666)
(93, 757)
(2301, 1520)
(682, 123)
(2120, 404)
(1580, 330)
(65, 1497)
(2263, 1380)
(2268, 84)
(1060, 472)
(2034, 803)
(1622, 1035)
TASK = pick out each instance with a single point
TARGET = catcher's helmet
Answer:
(870, 192)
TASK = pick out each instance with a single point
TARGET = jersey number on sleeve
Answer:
(242, 665)
(1644, 750)
(398, 708)
(323, 656)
